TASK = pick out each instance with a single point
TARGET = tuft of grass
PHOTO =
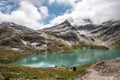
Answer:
(82, 44)
(116, 45)
(59, 46)
(22, 73)
(8, 56)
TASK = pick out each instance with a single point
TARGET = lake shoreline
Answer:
(13, 71)
(104, 70)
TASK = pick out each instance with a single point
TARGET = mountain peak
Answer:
(7, 24)
(16, 27)
(66, 22)
(64, 26)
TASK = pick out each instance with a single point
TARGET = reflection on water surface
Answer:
(76, 58)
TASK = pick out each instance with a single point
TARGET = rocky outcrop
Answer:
(14, 36)
(17, 37)
(105, 70)
(108, 32)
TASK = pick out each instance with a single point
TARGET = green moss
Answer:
(18, 72)
(79, 45)
(87, 46)
(97, 47)
(59, 46)
(31, 50)
(116, 45)
(8, 56)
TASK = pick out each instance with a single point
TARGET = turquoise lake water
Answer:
(76, 58)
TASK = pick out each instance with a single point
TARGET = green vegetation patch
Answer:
(59, 46)
(8, 56)
(22, 73)
(82, 44)
(116, 45)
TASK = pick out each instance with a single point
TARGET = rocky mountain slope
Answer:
(61, 38)
(108, 33)
(17, 37)
(105, 70)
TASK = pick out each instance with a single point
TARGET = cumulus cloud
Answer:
(31, 13)
(27, 14)
(1, 4)
(65, 2)
(44, 11)
(97, 10)
(35, 2)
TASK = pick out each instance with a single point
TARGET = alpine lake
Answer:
(76, 58)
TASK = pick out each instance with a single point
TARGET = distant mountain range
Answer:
(62, 38)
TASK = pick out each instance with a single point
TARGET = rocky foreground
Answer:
(105, 70)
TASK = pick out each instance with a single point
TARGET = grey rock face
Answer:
(17, 36)
(105, 70)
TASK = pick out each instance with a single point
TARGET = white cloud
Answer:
(35, 2)
(27, 14)
(30, 10)
(97, 10)
(31, 16)
(44, 11)
(1, 4)
(65, 2)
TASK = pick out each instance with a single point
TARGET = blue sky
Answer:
(38, 14)
(54, 9)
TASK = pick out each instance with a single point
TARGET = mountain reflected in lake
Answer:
(76, 58)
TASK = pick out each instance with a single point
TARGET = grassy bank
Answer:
(11, 72)
(82, 45)
(8, 56)
(22, 73)
(116, 45)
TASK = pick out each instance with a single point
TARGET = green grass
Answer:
(8, 56)
(116, 45)
(19, 72)
(79, 45)
(87, 46)
(59, 46)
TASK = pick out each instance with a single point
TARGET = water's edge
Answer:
(76, 58)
